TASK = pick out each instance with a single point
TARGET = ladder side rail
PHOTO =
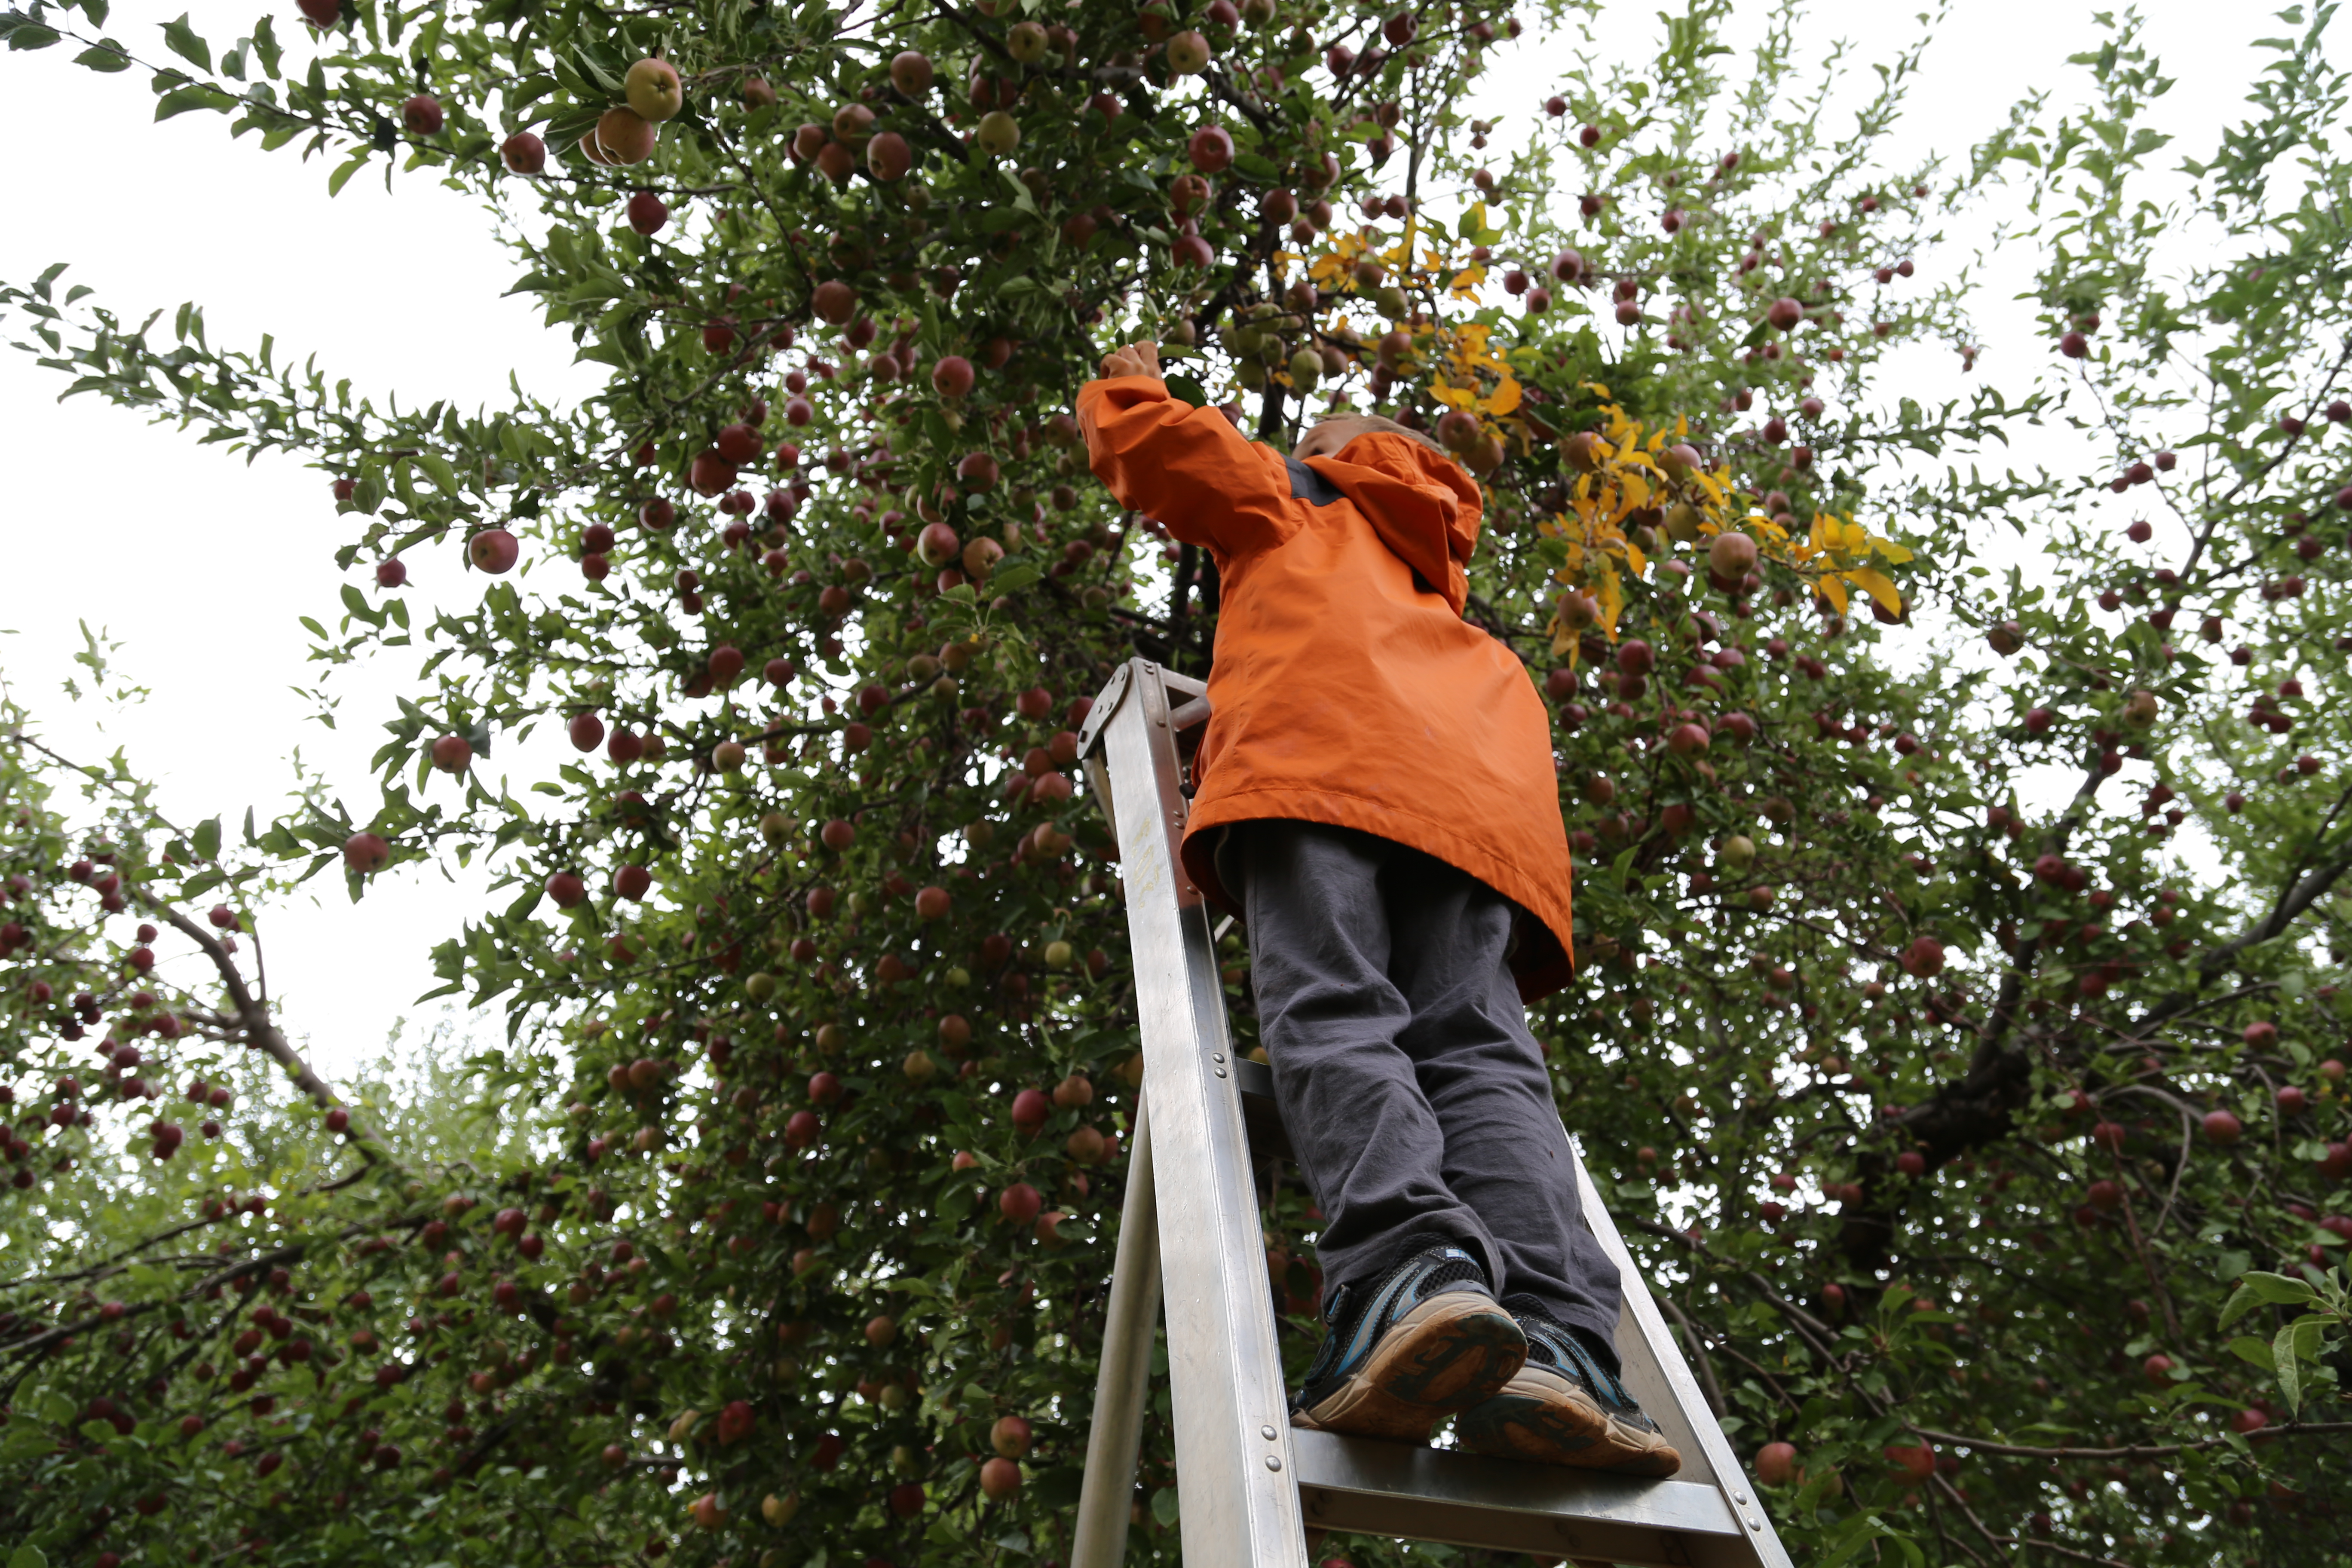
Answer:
(1715, 1450)
(1123, 1385)
(1232, 1430)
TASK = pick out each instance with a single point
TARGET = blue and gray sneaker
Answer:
(1564, 1407)
(1399, 1357)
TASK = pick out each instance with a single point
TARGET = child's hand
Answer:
(1135, 359)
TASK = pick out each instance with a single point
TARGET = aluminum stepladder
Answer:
(1251, 1486)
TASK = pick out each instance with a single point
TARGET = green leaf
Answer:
(2286, 1368)
(22, 33)
(28, 1557)
(185, 43)
(106, 55)
(2247, 1348)
(207, 838)
(1188, 390)
(2279, 1291)
(438, 467)
(1163, 1507)
(1853, 1539)
(188, 100)
(1012, 579)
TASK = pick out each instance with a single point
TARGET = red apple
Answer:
(568, 890)
(624, 136)
(710, 472)
(366, 854)
(1917, 1463)
(1731, 557)
(523, 152)
(1210, 149)
(1776, 1464)
(421, 115)
(1010, 1436)
(952, 376)
(452, 753)
(494, 550)
(911, 73)
(833, 302)
(1000, 1478)
(648, 213)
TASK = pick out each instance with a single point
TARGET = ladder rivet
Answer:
(1272, 1463)
(1266, 1433)
(1221, 1072)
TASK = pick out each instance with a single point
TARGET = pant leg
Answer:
(1371, 1147)
(1483, 1075)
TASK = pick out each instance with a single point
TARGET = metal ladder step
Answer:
(1251, 1486)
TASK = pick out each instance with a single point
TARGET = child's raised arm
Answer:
(1187, 467)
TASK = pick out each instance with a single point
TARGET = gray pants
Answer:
(1414, 1096)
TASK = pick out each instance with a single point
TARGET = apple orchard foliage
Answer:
(1987, 1144)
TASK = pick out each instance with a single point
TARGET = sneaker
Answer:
(1564, 1408)
(1428, 1340)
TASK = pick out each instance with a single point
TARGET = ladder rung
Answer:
(1361, 1486)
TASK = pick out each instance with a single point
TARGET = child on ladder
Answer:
(1377, 802)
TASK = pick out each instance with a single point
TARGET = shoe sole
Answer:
(1452, 1351)
(1543, 1417)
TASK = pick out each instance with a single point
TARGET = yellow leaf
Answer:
(1613, 597)
(1454, 396)
(1833, 591)
(1596, 390)
(1478, 214)
(1637, 491)
(1855, 539)
(1506, 398)
(1880, 589)
(1636, 560)
(1892, 551)
(1713, 487)
(1466, 282)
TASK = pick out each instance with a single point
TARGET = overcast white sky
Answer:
(198, 564)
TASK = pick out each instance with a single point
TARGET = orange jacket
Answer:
(1347, 689)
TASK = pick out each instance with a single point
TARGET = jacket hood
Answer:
(1425, 508)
